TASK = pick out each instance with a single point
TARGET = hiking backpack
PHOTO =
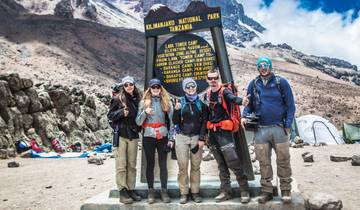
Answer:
(234, 110)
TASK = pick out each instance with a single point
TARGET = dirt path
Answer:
(72, 181)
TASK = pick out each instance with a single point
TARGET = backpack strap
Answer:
(198, 103)
(278, 85)
(255, 91)
(182, 103)
(207, 101)
(223, 102)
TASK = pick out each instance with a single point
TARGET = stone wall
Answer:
(47, 111)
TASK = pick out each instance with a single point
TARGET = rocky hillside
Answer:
(79, 46)
(48, 111)
(334, 67)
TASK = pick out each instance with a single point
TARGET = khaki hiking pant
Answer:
(125, 163)
(266, 138)
(183, 145)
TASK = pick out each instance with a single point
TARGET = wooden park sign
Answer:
(188, 55)
(184, 55)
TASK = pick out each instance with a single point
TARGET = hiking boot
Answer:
(196, 198)
(134, 195)
(244, 190)
(151, 196)
(223, 196)
(265, 196)
(286, 196)
(245, 197)
(124, 197)
(183, 199)
(164, 195)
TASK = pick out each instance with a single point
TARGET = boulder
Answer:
(11, 152)
(104, 135)
(90, 12)
(78, 96)
(87, 138)
(97, 160)
(307, 157)
(6, 97)
(35, 104)
(14, 82)
(66, 127)
(339, 158)
(27, 121)
(3, 154)
(323, 201)
(22, 101)
(26, 83)
(16, 121)
(73, 108)
(103, 123)
(90, 118)
(81, 125)
(46, 125)
(64, 9)
(6, 139)
(2, 123)
(45, 100)
(13, 164)
(355, 160)
(59, 98)
(90, 102)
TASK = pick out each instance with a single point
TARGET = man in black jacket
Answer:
(221, 140)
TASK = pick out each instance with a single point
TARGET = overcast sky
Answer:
(323, 28)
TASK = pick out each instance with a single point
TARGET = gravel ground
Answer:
(67, 183)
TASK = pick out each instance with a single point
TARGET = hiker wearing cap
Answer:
(272, 101)
(190, 117)
(122, 114)
(155, 116)
(220, 99)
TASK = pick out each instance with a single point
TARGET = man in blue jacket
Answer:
(272, 101)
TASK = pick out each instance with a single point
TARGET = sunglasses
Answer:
(156, 87)
(213, 78)
(128, 84)
(263, 66)
(190, 86)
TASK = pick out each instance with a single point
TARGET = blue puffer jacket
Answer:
(271, 107)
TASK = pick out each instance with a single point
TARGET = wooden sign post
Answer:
(188, 55)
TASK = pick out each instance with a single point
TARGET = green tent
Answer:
(351, 132)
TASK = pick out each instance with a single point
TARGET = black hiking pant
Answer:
(150, 145)
(223, 148)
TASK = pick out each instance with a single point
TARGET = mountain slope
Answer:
(90, 55)
(81, 47)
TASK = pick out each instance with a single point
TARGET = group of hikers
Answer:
(189, 123)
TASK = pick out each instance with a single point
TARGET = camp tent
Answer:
(315, 129)
(351, 132)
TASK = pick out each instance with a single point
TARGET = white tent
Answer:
(315, 129)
